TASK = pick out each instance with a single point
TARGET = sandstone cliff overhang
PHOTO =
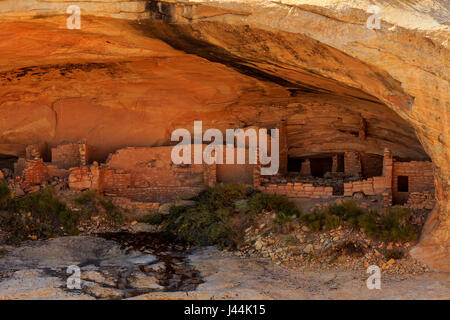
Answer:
(139, 69)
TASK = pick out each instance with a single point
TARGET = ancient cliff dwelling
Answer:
(362, 113)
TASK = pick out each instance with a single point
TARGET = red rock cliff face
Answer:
(137, 70)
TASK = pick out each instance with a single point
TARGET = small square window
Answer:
(402, 184)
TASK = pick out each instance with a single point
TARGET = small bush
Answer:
(154, 218)
(393, 254)
(113, 213)
(257, 203)
(368, 222)
(347, 211)
(222, 195)
(5, 195)
(86, 197)
(333, 216)
(42, 215)
(219, 215)
(200, 226)
(279, 204)
(396, 225)
(46, 208)
(392, 225)
(91, 201)
(39, 214)
(321, 219)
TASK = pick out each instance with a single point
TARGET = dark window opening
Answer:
(7, 162)
(372, 165)
(320, 166)
(402, 184)
(340, 163)
(295, 164)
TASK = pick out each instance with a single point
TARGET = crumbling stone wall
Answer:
(369, 186)
(70, 155)
(298, 189)
(143, 174)
(19, 166)
(372, 165)
(306, 168)
(85, 178)
(37, 172)
(34, 173)
(420, 178)
(421, 200)
(135, 206)
(420, 175)
(37, 151)
(352, 164)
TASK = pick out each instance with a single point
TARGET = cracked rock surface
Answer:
(37, 270)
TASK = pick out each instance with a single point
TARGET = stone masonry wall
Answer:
(70, 155)
(421, 200)
(298, 189)
(143, 174)
(34, 174)
(420, 178)
(369, 186)
(36, 151)
(352, 164)
(420, 175)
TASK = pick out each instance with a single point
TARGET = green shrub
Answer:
(392, 225)
(332, 221)
(45, 207)
(333, 216)
(43, 215)
(219, 215)
(315, 220)
(222, 195)
(282, 218)
(91, 201)
(279, 204)
(40, 214)
(396, 225)
(257, 203)
(113, 213)
(5, 195)
(86, 197)
(154, 218)
(393, 254)
(199, 226)
(347, 211)
(368, 222)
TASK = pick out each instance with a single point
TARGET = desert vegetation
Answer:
(42, 214)
(222, 213)
(392, 224)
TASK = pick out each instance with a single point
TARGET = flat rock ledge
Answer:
(38, 270)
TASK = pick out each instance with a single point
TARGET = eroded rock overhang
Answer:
(269, 61)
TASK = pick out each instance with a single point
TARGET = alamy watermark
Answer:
(74, 281)
(374, 21)
(74, 21)
(182, 153)
(374, 281)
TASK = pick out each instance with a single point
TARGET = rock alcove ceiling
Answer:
(131, 76)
